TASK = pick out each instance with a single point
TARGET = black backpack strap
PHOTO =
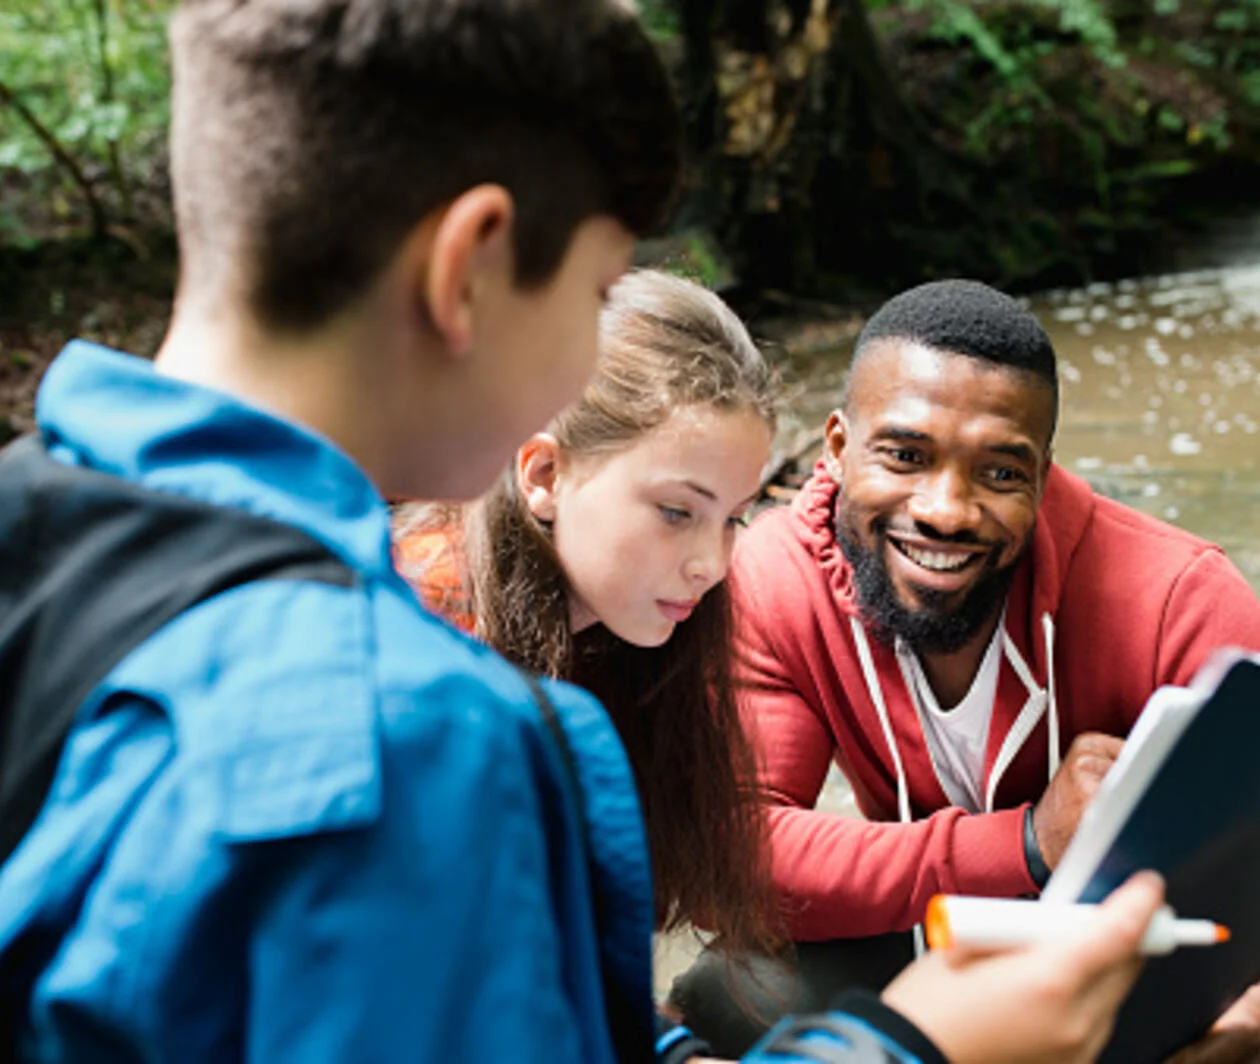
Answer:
(90, 566)
(631, 1041)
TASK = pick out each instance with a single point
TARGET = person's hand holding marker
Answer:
(1053, 1000)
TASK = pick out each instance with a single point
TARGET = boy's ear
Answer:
(537, 467)
(471, 244)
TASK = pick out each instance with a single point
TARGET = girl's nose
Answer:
(707, 566)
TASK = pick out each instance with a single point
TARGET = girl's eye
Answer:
(737, 520)
(673, 515)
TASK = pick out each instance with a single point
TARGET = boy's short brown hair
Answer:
(309, 137)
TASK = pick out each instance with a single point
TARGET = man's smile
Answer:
(935, 566)
(939, 561)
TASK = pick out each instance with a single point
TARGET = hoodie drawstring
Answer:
(877, 696)
(903, 788)
(1040, 700)
(1052, 724)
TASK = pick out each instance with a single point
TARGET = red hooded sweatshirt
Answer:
(1120, 603)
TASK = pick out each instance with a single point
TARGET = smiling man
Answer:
(964, 627)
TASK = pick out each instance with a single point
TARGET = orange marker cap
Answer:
(936, 923)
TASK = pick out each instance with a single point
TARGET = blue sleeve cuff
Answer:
(860, 1029)
(676, 1043)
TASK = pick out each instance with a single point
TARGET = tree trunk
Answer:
(807, 153)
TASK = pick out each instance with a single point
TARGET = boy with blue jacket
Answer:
(305, 820)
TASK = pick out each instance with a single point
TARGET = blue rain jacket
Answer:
(309, 823)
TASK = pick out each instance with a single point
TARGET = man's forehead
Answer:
(912, 377)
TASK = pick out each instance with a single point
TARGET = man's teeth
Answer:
(936, 560)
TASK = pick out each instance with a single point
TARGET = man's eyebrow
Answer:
(1021, 452)
(898, 432)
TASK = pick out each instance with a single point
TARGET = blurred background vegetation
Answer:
(840, 149)
(83, 117)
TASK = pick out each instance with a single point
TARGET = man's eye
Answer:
(904, 455)
(673, 515)
(1006, 475)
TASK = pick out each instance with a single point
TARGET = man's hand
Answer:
(1235, 1045)
(1074, 785)
(1243, 1014)
(1234, 1040)
(1052, 1001)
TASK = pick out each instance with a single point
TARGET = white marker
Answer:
(1003, 923)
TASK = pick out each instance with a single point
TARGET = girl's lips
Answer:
(675, 611)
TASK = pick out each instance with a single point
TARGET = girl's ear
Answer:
(537, 468)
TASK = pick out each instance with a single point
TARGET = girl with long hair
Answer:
(599, 558)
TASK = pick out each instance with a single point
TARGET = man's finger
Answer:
(1091, 770)
(1098, 744)
(1243, 1013)
(1234, 1046)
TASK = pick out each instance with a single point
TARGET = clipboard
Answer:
(1183, 799)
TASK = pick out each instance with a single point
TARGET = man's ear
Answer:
(835, 439)
(468, 244)
(537, 469)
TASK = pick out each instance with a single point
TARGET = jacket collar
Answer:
(116, 413)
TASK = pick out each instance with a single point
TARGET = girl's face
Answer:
(643, 533)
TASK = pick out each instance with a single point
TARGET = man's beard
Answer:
(935, 627)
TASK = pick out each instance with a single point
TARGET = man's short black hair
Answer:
(966, 318)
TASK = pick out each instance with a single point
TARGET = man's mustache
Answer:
(922, 530)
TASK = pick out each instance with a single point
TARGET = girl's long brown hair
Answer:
(665, 343)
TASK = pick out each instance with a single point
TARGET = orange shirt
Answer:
(432, 561)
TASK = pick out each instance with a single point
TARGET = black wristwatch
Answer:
(1037, 867)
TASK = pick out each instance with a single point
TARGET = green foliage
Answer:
(695, 256)
(83, 107)
(661, 18)
(1249, 85)
(1088, 20)
(957, 21)
(1085, 122)
(961, 20)
(1062, 63)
